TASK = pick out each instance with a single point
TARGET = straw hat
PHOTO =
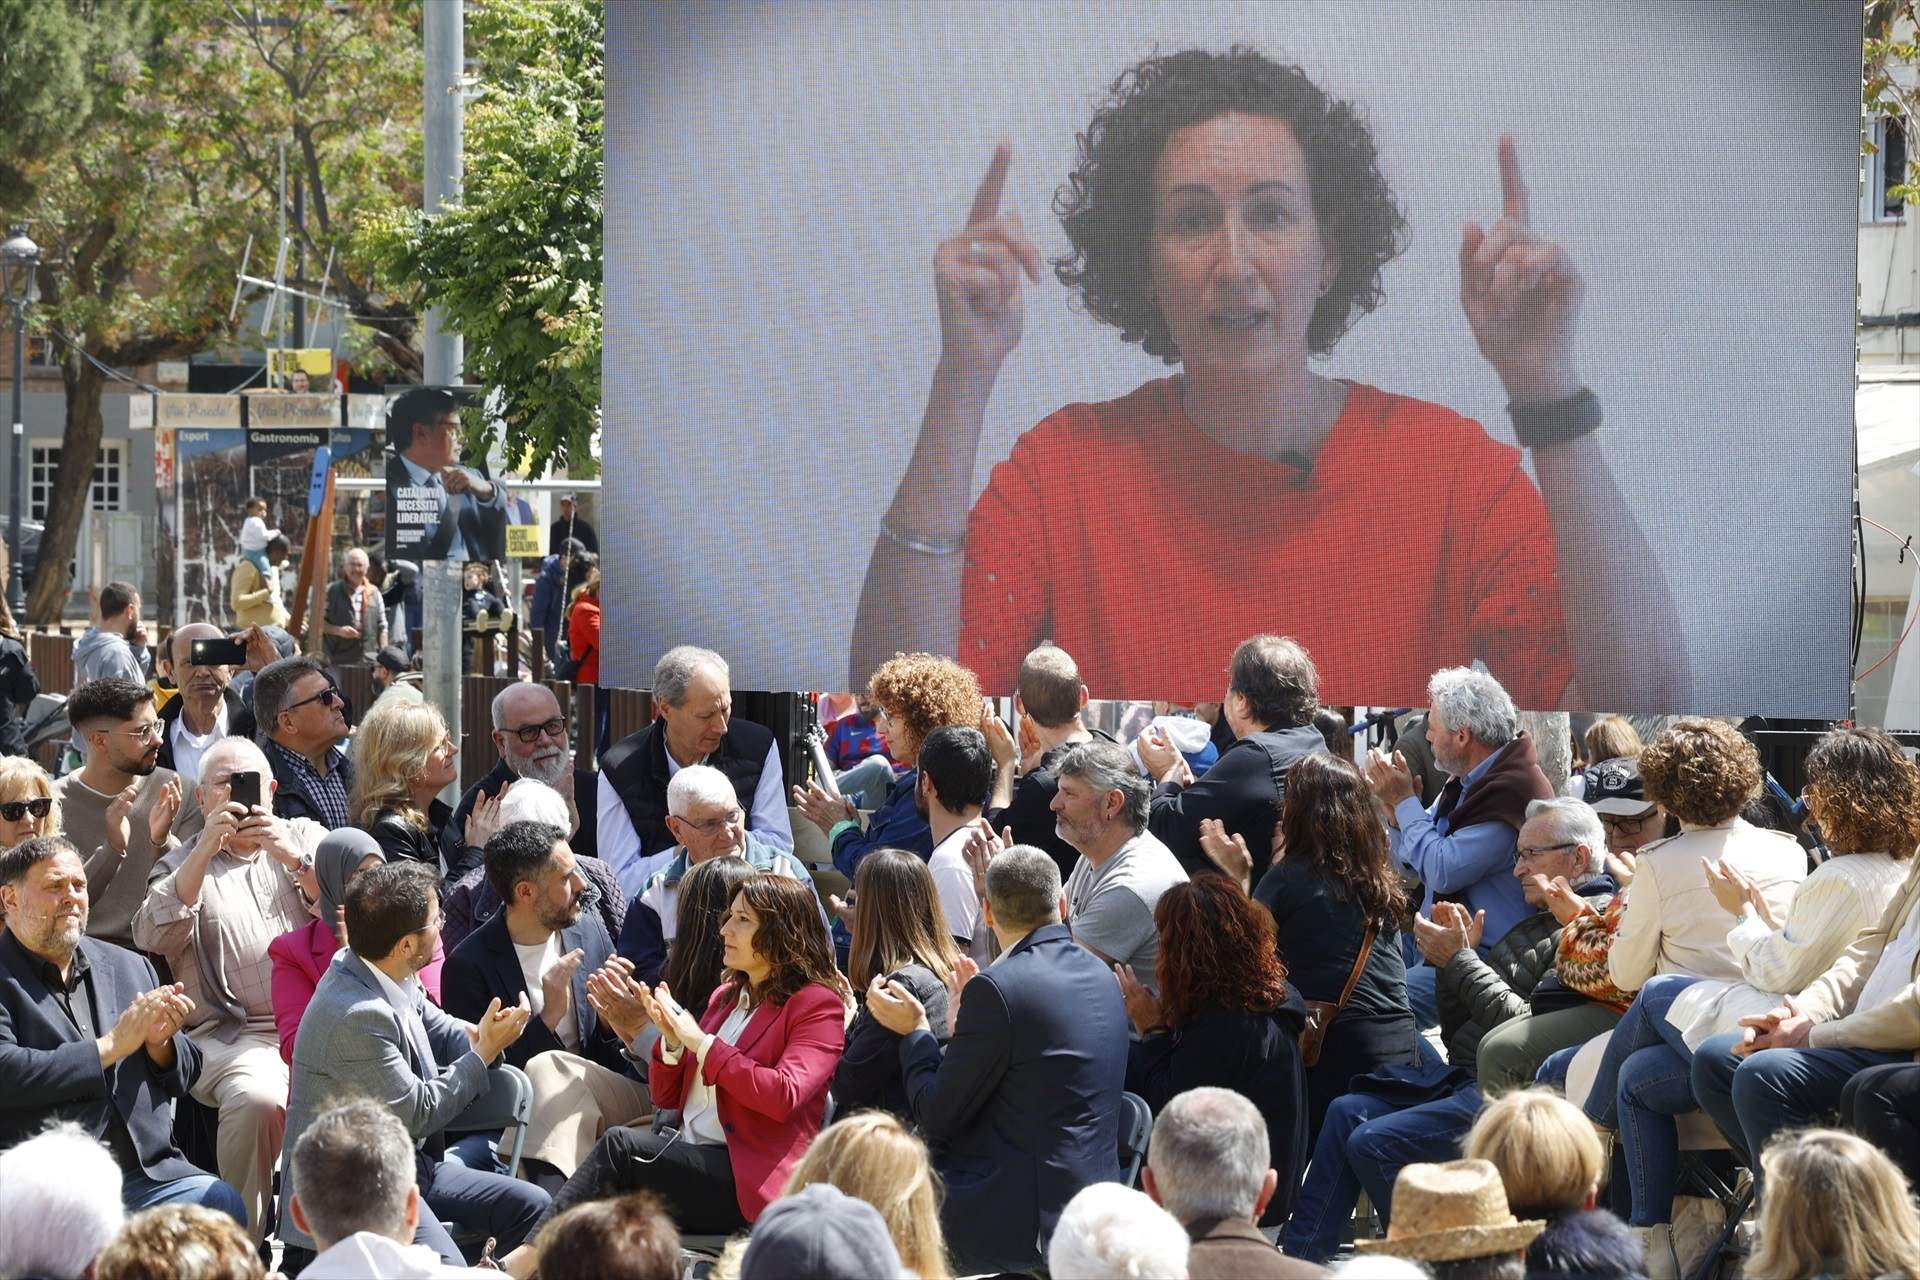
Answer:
(1446, 1212)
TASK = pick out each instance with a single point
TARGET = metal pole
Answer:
(442, 33)
(16, 596)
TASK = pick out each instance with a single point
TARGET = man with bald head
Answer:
(355, 626)
(693, 698)
(212, 907)
(207, 709)
(531, 736)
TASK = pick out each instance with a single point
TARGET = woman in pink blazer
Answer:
(749, 1076)
(301, 955)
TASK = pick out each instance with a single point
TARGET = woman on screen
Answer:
(1230, 217)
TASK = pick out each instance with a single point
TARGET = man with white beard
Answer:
(531, 736)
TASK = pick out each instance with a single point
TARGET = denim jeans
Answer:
(1553, 1072)
(137, 1191)
(1364, 1143)
(1643, 1026)
(1755, 1097)
(1645, 1080)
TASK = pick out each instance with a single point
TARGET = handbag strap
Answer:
(1359, 965)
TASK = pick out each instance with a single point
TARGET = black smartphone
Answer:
(217, 653)
(244, 787)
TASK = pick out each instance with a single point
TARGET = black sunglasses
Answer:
(327, 695)
(14, 810)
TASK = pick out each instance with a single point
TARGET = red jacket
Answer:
(583, 638)
(771, 1088)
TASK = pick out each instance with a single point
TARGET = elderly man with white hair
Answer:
(1209, 1166)
(57, 1225)
(212, 909)
(533, 741)
(693, 698)
(1462, 848)
(707, 822)
(1108, 1231)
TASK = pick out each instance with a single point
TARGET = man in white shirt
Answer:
(956, 775)
(1786, 1068)
(360, 1200)
(207, 709)
(1101, 809)
(693, 698)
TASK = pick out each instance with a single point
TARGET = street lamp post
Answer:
(19, 289)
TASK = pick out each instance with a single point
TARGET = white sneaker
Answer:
(1657, 1243)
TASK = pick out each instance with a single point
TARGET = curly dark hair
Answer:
(1700, 771)
(789, 935)
(1866, 791)
(1107, 205)
(1217, 951)
(1328, 823)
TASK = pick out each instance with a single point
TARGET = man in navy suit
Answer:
(1023, 1110)
(89, 1033)
(542, 945)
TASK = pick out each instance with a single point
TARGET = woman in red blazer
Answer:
(749, 1076)
(300, 956)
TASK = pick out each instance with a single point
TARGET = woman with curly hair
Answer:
(1222, 1016)
(749, 1073)
(913, 694)
(1865, 798)
(1230, 216)
(403, 757)
(1333, 881)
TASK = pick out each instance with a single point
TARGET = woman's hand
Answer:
(1227, 852)
(1762, 908)
(1521, 293)
(677, 1024)
(1143, 1005)
(1621, 866)
(822, 808)
(1730, 889)
(483, 820)
(976, 276)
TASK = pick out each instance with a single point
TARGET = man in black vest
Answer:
(693, 703)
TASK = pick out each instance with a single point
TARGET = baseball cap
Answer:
(1613, 788)
(820, 1234)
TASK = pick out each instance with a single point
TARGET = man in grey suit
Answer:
(370, 1032)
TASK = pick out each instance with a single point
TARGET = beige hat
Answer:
(1446, 1212)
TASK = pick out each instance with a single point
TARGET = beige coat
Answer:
(1672, 923)
(1892, 1026)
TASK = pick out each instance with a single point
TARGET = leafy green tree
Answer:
(517, 264)
(54, 54)
(145, 210)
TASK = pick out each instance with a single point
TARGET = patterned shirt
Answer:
(328, 790)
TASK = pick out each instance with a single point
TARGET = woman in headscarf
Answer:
(301, 955)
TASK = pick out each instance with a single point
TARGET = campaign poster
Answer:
(441, 503)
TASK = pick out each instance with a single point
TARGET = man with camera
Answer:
(211, 910)
(207, 709)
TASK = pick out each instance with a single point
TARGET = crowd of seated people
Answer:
(254, 969)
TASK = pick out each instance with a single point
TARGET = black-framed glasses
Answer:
(328, 695)
(529, 734)
(14, 810)
(1622, 822)
(1528, 855)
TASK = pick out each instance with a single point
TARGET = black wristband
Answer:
(1539, 426)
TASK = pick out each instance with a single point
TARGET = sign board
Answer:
(287, 409)
(175, 411)
(526, 540)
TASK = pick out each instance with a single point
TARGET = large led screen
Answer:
(1426, 333)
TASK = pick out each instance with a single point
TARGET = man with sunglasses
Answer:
(531, 736)
(120, 809)
(303, 718)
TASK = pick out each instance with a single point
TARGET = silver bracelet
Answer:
(924, 546)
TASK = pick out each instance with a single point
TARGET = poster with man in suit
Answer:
(439, 507)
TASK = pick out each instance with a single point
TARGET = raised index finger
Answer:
(986, 200)
(1513, 188)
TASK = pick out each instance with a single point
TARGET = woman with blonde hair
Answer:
(1834, 1205)
(403, 757)
(1609, 738)
(872, 1156)
(1551, 1161)
(28, 805)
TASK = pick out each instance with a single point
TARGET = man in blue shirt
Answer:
(1462, 848)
